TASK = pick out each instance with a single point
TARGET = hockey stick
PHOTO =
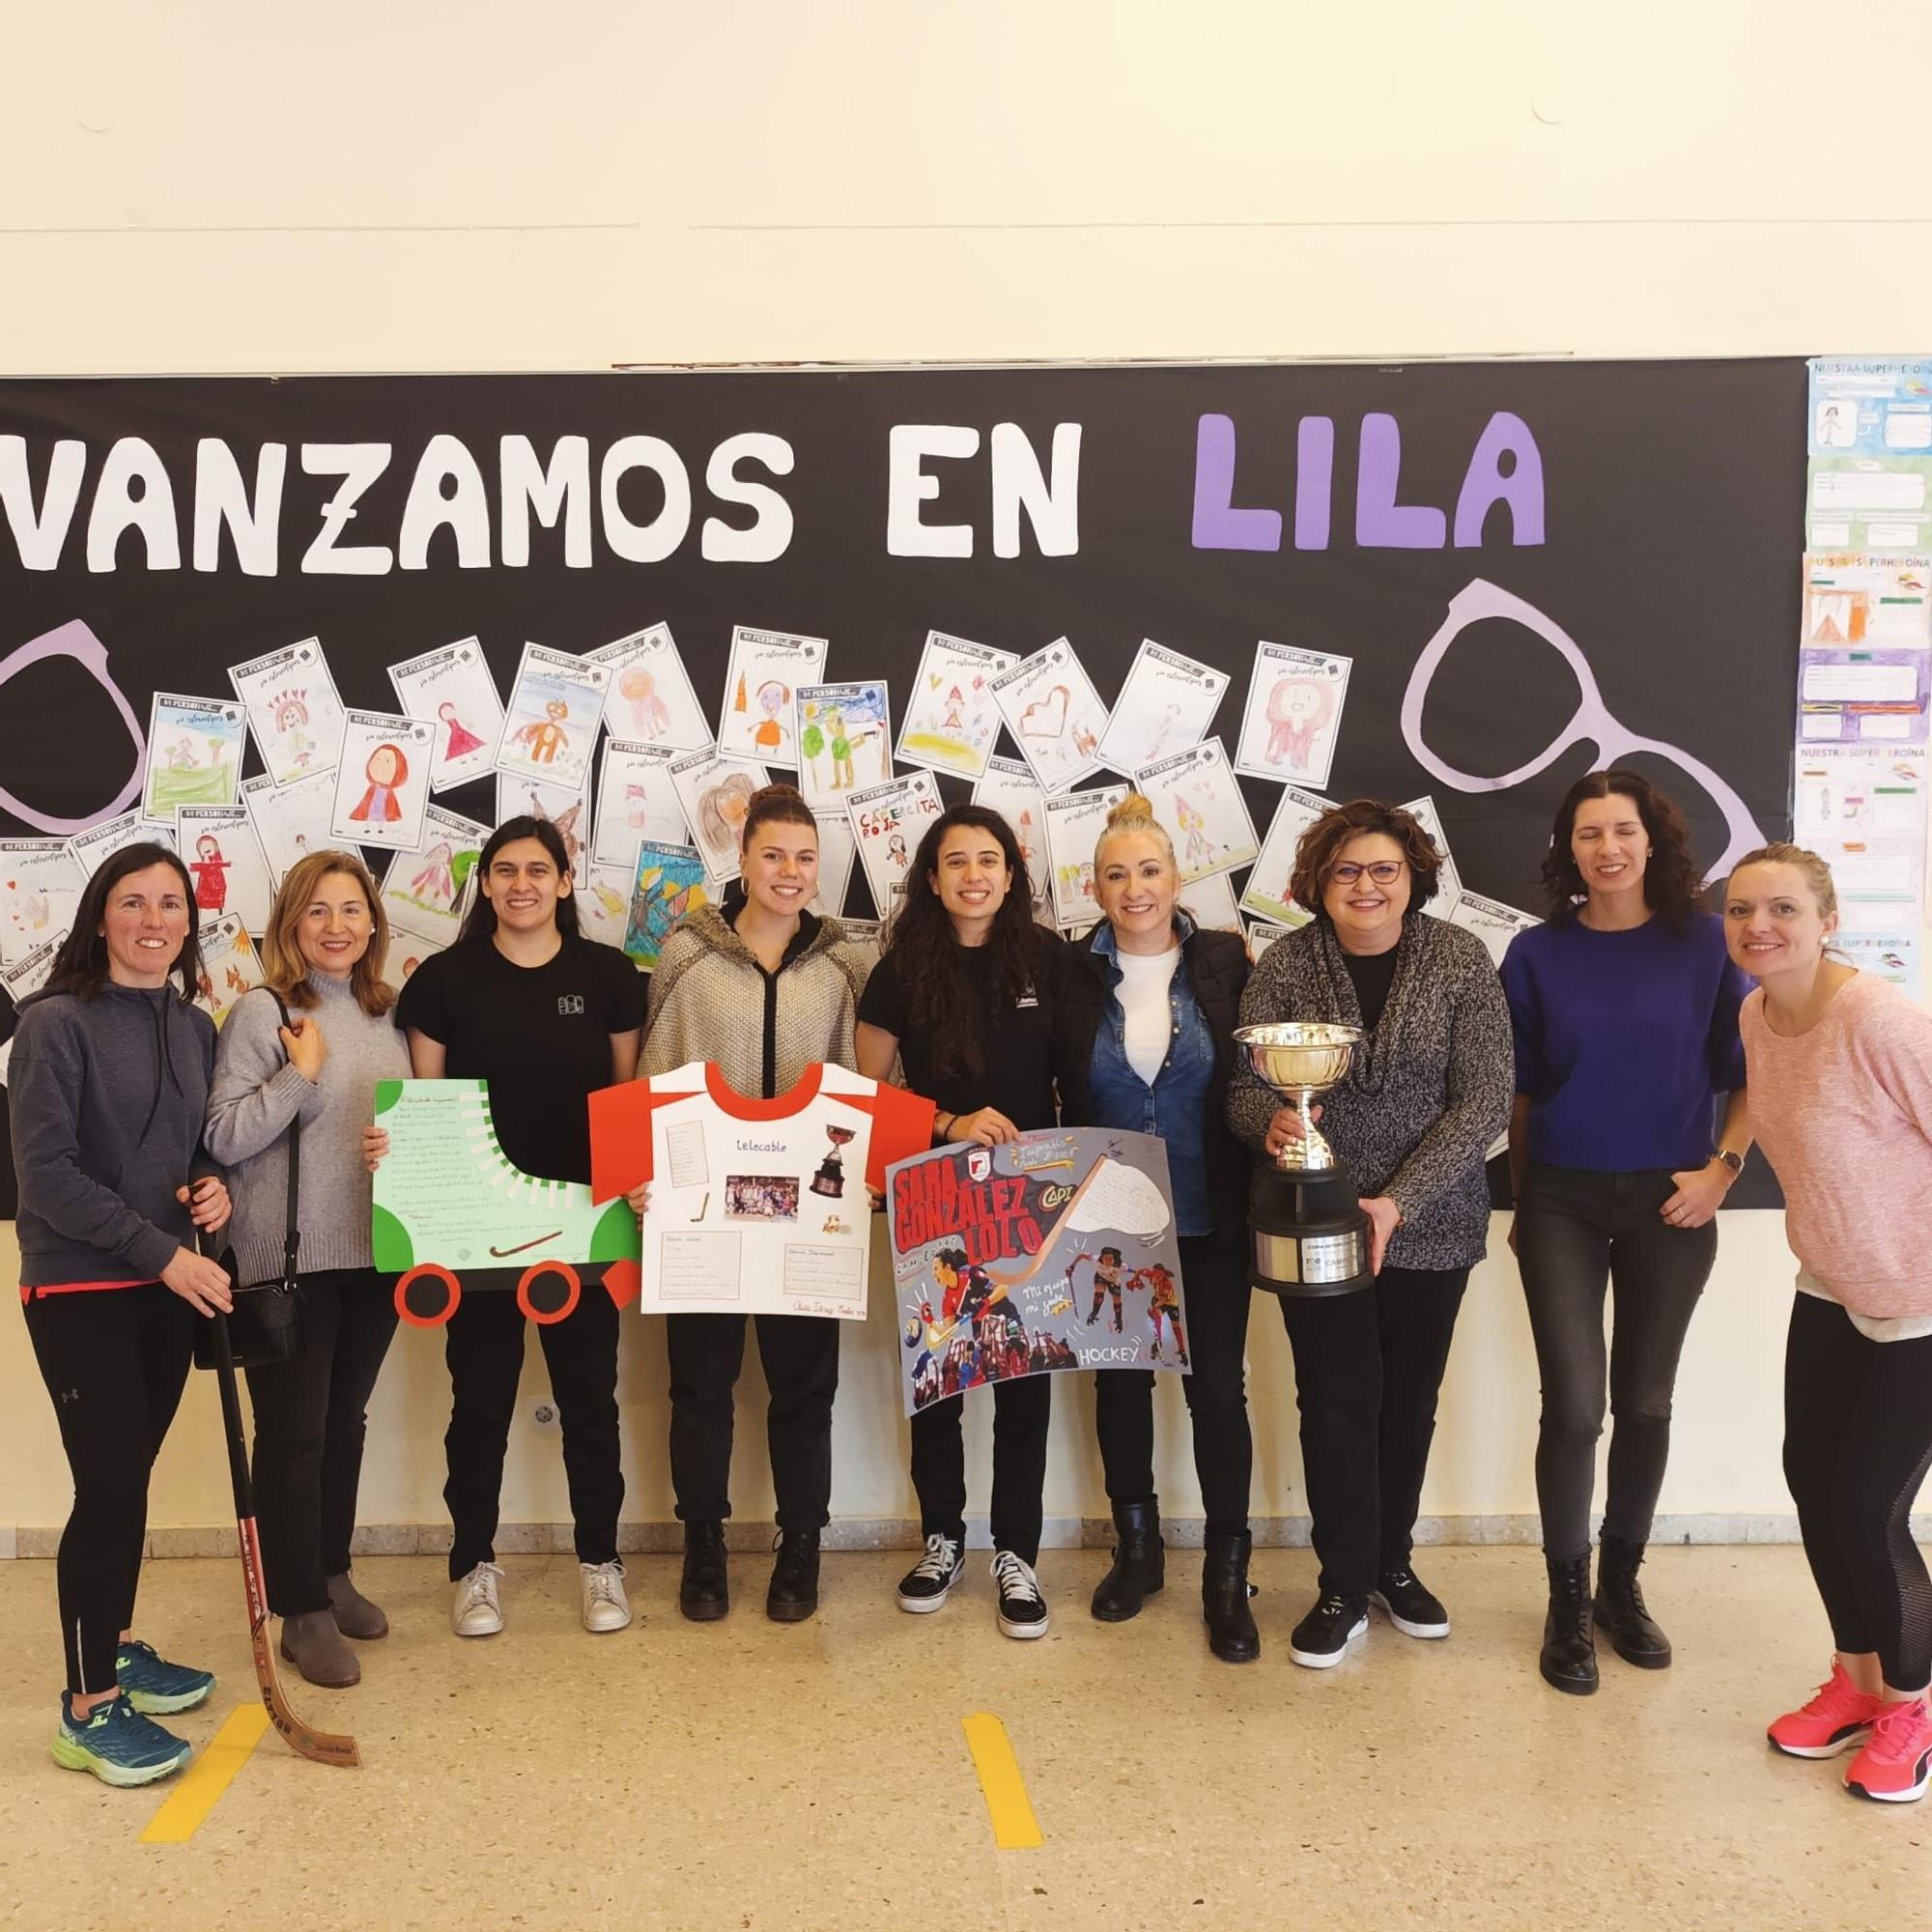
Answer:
(324, 1747)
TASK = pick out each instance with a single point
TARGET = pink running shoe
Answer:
(1836, 1719)
(1895, 1765)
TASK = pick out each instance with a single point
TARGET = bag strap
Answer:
(291, 1233)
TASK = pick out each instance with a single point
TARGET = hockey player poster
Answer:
(1054, 1251)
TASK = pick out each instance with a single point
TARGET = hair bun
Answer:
(778, 793)
(1133, 813)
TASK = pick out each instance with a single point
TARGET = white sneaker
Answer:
(1022, 1606)
(605, 1607)
(477, 1612)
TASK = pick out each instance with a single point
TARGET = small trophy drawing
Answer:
(830, 1179)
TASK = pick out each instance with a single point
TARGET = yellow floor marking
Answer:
(208, 1778)
(1014, 1827)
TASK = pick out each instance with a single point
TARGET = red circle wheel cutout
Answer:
(537, 1269)
(428, 1271)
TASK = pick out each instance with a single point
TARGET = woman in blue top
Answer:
(1625, 1011)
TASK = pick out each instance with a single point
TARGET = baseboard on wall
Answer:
(1067, 1532)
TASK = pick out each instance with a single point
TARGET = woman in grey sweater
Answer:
(1427, 1093)
(324, 952)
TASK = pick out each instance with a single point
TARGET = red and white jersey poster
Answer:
(757, 1206)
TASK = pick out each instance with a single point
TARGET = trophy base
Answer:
(1307, 1237)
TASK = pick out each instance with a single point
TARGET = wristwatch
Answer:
(1734, 1161)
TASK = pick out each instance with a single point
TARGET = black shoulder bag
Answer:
(265, 1326)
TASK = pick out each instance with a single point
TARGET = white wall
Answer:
(243, 189)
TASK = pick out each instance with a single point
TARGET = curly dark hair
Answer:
(947, 986)
(80, 964)
(1672, 884)
(1321, 844)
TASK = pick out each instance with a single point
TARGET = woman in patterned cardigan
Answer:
(1427, 1093)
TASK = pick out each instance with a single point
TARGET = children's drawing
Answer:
(1074, 822)
(765, 670)
(951, 720)
(1010, 788)
(568, 810)
(670, 883)
(1055, 715)
(292, 821)
(715, 793)
(1293, 715)
(40, 884)
(452, 689)
(194, 755)
(844, 740)
(293, 710)
(1165, 706)
(636, 800)
(381, 790)
(90, 848)
(651, 701)
(429, 890)
(227, 863)
(549, 726)
(888, 821)
(1197, 797)
(1267, 893)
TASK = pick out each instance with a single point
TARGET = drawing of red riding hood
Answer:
(385, 770)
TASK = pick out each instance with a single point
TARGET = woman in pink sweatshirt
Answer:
(1840, 1073)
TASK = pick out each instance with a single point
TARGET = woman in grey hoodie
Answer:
(108, 1090)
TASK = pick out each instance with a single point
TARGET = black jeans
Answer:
(1214, 1286)
(484, 1347)
(115, 1361)
(800, 1354)
(1368, 1367)
(1858, 1440)
(1578, 1232)
(1022, 1411)
(310, 1420)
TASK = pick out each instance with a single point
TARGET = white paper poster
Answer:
(760, 689)
(952, 721)
(650, 701)
(715, 792)
(230, 966)
(844, 740)
(636, 800)
(1262, 935)
(837, 848)
(1210, 903)
(1293, 715)
(1074, 822)
(1858, 791)
(89, 849)
(292, 821)
(1267, 895)
(381, 785)
(428, 892)
(1010, 788)
(1055, 715)
(567, 809)
(604, 899)
(452, 689)
(40, 884)
(550, 729)
(224, 856)
(1853, 599)
(1494, 923)
(1166, 706)
(1448, 880)
(293, 710)
(20, 981)
(887, 822)
(194, 755)
(1198, 798)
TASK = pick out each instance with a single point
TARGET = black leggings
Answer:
(1576, 1232)
(115, 1361)
(1858, 1440)
(309, 1425)
(1214, 1283)
(1022, 1410)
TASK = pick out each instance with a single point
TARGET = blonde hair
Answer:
(1135, 813)
(286, 971)
(1816, 873)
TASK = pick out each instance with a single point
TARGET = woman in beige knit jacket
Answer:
(762, 988)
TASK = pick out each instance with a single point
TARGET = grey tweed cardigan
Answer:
(1428, 1093)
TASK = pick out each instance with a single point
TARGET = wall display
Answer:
(1876, 504)
(1166, 706)
(1267, 893)
(716, 793)
(667, 882)
(292, 821)
(887, 822)
(1448, 880)
(1876, 406)
(381, 785)
(837, 848)
(1053, 1250)
(844, 740)
(98, 842)
(1009, 787)
(650, 701)
(1293, 722)
(225, 859)
(230, 965)
(1262, 935)
(28, 975)
(194, 755)
(549, 725)
(636, 800)
(1210, 902)
(1858, 791)
(40, 884)
(428, 892)
(293, 712)
(1074, 822)
(567, 809)
(1850, 599)
(407, 952)
(1055, 715)
(603, 894)
(1494, 923)
(951, 720)
(1865, 696)
(761, 685)
(1196, 796)
(452, 689)
(755, 1207)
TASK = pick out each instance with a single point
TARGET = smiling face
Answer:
(781, 867)
(1610, 847)
(337, 927)
(970, 879)
(522, 886)
(1364, 909)
(1772, 921)
(144, 924)
(1135, 883)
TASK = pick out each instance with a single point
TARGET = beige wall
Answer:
(239, 189)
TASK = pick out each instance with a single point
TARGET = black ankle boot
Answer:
(1225, 1591)
(1140, 1563)
(704, 1595)
(1569, 1659)
(1619, 1607)
(793, 1595)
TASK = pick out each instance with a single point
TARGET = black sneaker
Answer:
(1412, 1607)
(1322, 1638)
(1022, 1608)
(929, 1581)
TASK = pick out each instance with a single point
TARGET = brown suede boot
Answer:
(354, 1614)
(313, 1644)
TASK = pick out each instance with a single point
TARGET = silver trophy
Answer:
(1308, 1233)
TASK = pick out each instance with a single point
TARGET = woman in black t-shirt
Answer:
(547, 1018)
(964, 995)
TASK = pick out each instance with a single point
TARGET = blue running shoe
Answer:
(154, 1686)
(117, 1743)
